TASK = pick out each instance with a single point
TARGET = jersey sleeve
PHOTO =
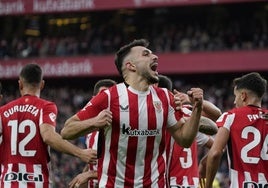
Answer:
(201, 139)
(226, 120)
(94, 106)
(49, 114)
(173, 115)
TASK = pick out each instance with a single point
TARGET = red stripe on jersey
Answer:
(91, 141)
(133, 140)
(162, 147)
(150, 141)
(90, 144)
(114, 137)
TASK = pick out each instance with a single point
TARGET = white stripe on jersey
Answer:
(233, 178)
(120, 169)
(95, 142)
(262, 179)
(7, 184)
(22, 168)
(106, 160)
(229, 121)
(41, 117)
(38, 170)
(138, 178)
(201, 139)
(247, 176)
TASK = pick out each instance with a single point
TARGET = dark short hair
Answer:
(124, 50)
(253, 82)
(165, 82)
(103, 83)
(31, 73)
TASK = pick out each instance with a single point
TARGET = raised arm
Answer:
(184, 132)
(74, 127)
(214, 155)
(209, 109)
(210, 113)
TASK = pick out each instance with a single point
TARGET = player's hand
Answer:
(185, 99)
(177, 100)
(196, 95)
(104, 118)
(81, 180)
(89, 156)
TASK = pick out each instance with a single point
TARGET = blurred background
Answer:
(200, 43)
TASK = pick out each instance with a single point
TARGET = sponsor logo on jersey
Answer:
(252, 184)
(138, 132)
(52, 116)
(182, 186)
(19, 176)
(88, 104)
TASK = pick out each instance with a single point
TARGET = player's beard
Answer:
(151, 79)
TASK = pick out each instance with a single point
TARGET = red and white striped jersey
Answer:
(247, 146)
(182, 166)
(133, 153)
(25, 158)
(91, 142)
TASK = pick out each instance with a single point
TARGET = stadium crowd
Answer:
(180, 29)
(221, 28)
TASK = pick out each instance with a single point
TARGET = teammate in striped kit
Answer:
(182, 166)
(182, 163)
(244, 130)
(1, 137)
(88, 178)
(27, 126)
(138, 115)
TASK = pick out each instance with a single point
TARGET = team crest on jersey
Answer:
(158, 106)
(52, 116)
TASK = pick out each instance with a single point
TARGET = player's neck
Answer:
(30, 92)
(254, 101)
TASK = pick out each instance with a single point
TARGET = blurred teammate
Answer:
(137, 117)
(88, 178)
(182, 163)
(28, 131)
(1, 96)
(244, 130)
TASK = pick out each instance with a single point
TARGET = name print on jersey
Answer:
(253, 117)
(21, 108)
